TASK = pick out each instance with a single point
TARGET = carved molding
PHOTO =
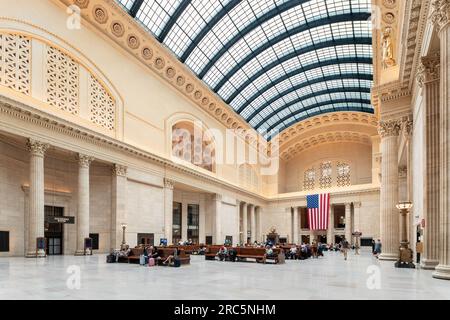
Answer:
(37, 148)
(440, 13)
(429, 69)
(390, 128)
(84, 161)
(119, 170)
(328, 137)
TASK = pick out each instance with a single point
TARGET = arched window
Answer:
(309, 180)
(192, 144)
(325, 175)
(343, 175)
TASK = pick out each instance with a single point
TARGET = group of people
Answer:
(150, 252)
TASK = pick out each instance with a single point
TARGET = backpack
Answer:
(176, 263)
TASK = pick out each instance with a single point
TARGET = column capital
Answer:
(429, 68)
(37, 148)
(217, 197)
(119, 170)
(169, 184)
(357, 204)
(84, 161)
(389, 128)
(347, 205)
(440, 14)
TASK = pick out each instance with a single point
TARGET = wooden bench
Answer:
(133, 257)
(244, 253)
(189, 249)
(278, 256)
(211, 252)
(165, 252)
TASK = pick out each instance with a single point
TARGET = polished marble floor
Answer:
(330, 277)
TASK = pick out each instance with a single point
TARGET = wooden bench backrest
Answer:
(136, 251)
(251, 251)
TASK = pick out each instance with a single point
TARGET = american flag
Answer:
(318, 211)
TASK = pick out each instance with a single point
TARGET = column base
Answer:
(428, 264)
(33, 254)
(442, 272)
(388, 256)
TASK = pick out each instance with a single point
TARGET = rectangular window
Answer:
(95, 239)
(193, 222)
(4, 241)
(176, 223)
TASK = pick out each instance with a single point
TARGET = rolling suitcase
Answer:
(142, 260)
(110, 258)
(151, 262)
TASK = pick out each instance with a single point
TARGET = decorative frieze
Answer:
(37, 148)
(390, 128)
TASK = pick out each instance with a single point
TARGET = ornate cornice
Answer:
(119, 170)
(37, 148)
(84, 161)
(429, 69)
(110, 19)
(390, 128)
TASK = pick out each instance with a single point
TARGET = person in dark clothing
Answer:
(373, 246)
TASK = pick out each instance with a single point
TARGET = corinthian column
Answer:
(252, 224)
(295, 229)
(348, 222)
(217, 198)
(428, 78)
(389, 216)
(36, 214)
(84, 163)
(119, 202)
(244, 223)
(441, 18)
(168, 210)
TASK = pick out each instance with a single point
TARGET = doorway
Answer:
(53, 231)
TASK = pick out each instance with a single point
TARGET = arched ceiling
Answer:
(275, 62)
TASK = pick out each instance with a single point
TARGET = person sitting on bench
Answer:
(292, 254)
(153, 253)
(222, 254)
(171, 258)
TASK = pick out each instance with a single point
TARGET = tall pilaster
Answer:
(37, 193)
(244, 222)
(168, 210)
(252, 224)
(330, 231)
(259, 225)
(389, 216)
(119, 203)
(295, 229)
(348, 222)
(84, 163)
(441, 18)
(428, 78)
(217, 238)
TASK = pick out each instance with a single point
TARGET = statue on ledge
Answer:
(388, 48)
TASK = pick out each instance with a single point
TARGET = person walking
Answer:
(345, 246)
(377, 250)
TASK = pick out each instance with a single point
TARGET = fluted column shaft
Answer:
(84, 163)
(259, 224)
(441, 18)
(428, 78)
(389, 216)
(37, 197)
(119, 202)
(218, 239)
(244, 223)
(168, 210)
(252, 224)
(296, 230)
(348, 222)
(330, 231)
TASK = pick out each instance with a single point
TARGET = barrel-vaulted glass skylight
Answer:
(275, 62)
